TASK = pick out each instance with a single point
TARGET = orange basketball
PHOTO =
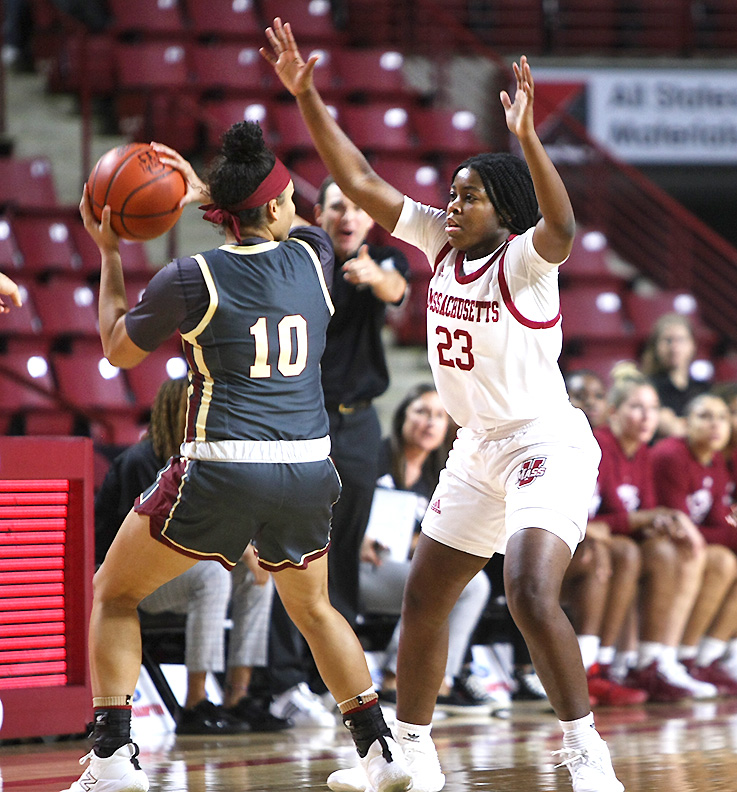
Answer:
(141, 191)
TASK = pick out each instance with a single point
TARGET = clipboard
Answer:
(392, 521)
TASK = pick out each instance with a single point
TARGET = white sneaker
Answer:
(677, 674)
(302, 707)
(422, 760)
(351, 779)
(386, 775)
(117, 773)
(590, 768)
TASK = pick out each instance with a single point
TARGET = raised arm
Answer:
(346, 163)
(553, 236)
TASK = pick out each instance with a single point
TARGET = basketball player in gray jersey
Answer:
(254, 464)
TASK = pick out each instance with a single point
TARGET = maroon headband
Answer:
(271, 187)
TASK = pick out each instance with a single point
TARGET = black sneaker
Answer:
(256, 714)
(529, 686)
(466, 696)
(207, 718)
(387, 696)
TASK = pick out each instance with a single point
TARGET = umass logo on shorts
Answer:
(531, 469)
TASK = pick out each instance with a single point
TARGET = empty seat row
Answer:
(235, 67)
(231, 66)
(45, 240)
(388, 127)
(33, 378)
(222, 18)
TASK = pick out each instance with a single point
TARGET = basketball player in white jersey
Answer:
(522, 472)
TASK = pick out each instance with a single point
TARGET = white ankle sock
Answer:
(668, 657)
(648, 651)
(589, 646)
(710, 649)
(687, 652)
(580, 732)
(411, 732)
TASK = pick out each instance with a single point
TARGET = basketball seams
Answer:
(111, 179)
(120, 180)
(122, 214)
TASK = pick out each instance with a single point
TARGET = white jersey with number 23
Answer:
(493, 327)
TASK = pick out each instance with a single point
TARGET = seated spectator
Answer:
(728, 392)
(203, 593)
(671, 549)
(412, 457)
(587, 391)
(600, 584)
(667, 359)
(691, 474)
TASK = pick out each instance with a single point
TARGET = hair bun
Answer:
(243, 143)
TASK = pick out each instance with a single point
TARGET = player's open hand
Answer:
(9, 288)
(519, 113)
(101, 231)
(197, 190)
(286, 60)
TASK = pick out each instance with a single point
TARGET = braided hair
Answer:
(243, 163)
(508, 184)
(168, 414)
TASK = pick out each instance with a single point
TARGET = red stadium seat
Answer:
(10, 255)
(23, 321)
(153, 64)
(310, 168)
(49, 422)
(146, 378)
(88, 381)
(414, 177)
(27, 182)
(374, 73)
(66, 306)
(133, 254)
(118, 430)
(589, 263)
(379, 127)
(230, 67)
(46, 242)
(291, 136)
(595, 317)
(226, 19)
(147, 16)
(26, 382)
(311, 20)
(221, 114)
(450, 133)
(725, 368)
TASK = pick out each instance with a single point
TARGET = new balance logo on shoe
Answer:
(435, 506)
(87, 782)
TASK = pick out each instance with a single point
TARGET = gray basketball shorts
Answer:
(212, 510)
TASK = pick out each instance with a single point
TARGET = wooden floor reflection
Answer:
(656, 748)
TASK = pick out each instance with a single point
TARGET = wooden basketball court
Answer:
(657, 748)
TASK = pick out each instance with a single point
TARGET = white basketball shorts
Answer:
(541, 476)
